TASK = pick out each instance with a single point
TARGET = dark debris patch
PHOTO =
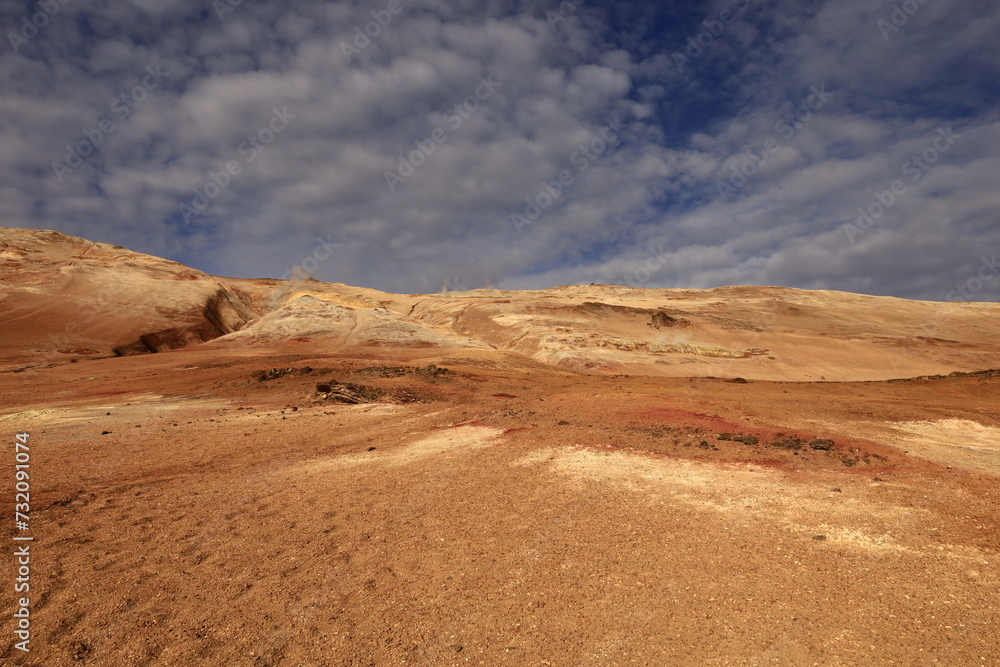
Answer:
(788, 442)
(348, 392)
(275, 373)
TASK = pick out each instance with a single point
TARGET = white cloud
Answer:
(324, 174)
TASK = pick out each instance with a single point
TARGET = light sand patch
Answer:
(863, 541)
(746, 493)
(462, 437)
(133, 407)
(442, 442)
(543, 455)
(959, 442)
(27, 415)
(375, 408)
(616, 467)
(509, 319)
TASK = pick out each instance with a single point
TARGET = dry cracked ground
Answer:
(273, 474)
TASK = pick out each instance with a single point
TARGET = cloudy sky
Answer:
(408, 145)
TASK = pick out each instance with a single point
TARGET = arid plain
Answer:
(263, 472)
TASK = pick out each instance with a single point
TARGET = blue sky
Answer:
(828, 145)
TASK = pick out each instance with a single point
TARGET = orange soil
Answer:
(510, 515)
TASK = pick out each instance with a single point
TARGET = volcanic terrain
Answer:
(263, 472)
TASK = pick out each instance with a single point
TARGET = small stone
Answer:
(819, 538)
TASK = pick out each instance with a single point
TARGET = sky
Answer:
(421, 145)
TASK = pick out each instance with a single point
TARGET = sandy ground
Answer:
(188, 513)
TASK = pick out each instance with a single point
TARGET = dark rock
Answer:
(383, 371)
(660, 319)
(273, 374)
(788, 442)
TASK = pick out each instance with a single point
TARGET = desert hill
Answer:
(64, 297)
(265, 473)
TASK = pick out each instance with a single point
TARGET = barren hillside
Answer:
(254, 472)
(65, 298)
